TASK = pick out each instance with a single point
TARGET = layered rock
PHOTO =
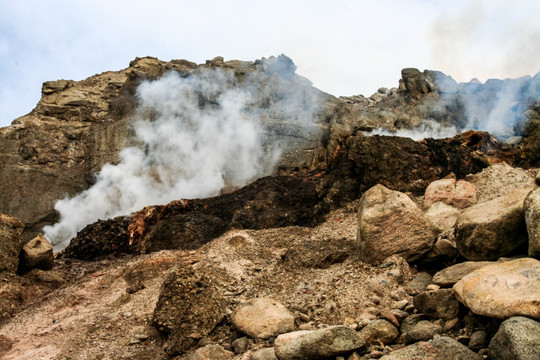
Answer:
(389, 223)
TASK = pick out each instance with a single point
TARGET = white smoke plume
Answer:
(197, 134)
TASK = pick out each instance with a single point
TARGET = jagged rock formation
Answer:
(77, 127)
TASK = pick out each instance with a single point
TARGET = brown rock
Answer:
(379, 331)
(36, 254)
(264, 354)
(459, 194)
(438, 304)
(502, 289)
(532, 220)
(10, 231)
(424, 330)
(389, 222)
(263, 318)
(452, 274)
(189, 308)
(493, 228)
(211, 352)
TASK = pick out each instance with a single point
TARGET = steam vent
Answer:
(231, 210)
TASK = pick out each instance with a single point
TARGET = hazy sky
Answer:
(343, 47)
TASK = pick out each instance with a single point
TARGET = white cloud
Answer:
(344, 47)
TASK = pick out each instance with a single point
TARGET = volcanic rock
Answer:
(11, 229)
(532, 219)
(438, 304)
(36, 254)
(493, 228)
(440, 348)
(518, 338)
(389, 223)
(459, 194)
(263, 318)
(318, 344)
(452, 274)
(502, 289)
(189, 308)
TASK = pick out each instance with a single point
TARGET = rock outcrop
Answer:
(10, 232)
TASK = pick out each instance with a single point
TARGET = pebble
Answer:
(432, 287)
(400, 304)
(127, 314)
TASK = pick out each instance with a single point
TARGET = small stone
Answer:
(399, 314)
(211, 352)
(451, 325)
(241, 345)
(432, 287)
(387, 315)
(379, 331)
(127, 314)
(438, 304)
(423, 331)
(478, 340)
(400, 304)
(264, 354)
(420, 282)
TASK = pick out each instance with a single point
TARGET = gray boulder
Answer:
(532, 219)
(492, 229)
(319, 344)
(440, 348)
(518, 338)
(389, 223)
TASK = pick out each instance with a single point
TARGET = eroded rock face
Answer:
(502, 289)
(11, 229)
(389, 223)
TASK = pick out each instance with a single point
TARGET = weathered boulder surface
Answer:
(456, 193)
(452, 274)
(36, 254)
(493, 228)
(502, 289)
(389, 223)
(440, 348)
(262, 318)
(532, 220)
(498, 180)
(189, 307)
(11, 229)
(318, 344)
(518, 338)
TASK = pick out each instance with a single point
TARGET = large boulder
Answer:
(389, 223)
(440, 348)
(518, 338)
(493, 228)
(502, 289)
(532, 220)
(318, 344)
(36, 254)
(189, 308)
(457, 193)
(263, 318)
(11, 229)
(500, 179)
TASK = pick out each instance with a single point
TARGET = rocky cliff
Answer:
(77, 127)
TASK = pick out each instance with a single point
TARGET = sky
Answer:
(344, 47)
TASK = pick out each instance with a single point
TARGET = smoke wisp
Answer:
(195, 135)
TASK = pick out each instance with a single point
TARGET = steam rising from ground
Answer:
(197, 134)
